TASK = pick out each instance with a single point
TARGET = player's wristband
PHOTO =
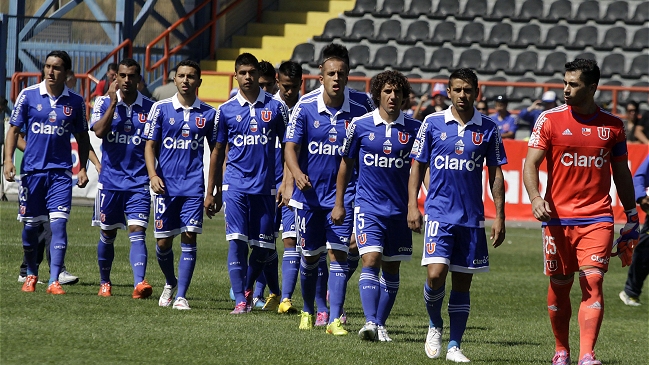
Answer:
(538, 196)
(151, 178)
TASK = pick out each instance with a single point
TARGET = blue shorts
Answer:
(249, 218)
(463, 249)
(316, 233)
(44, 195)
(285, 222)
(112, 205)
(389, 236)
(176, 214)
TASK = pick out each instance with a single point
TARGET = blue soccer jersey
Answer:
(48, 123)
(180, 133)
(321, 135)
(456, 155)
(383, 152)
(122, 160)
(251, 131)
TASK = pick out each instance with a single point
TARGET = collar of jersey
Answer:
(378, 120)
(176, 103)
(322, 108)
(138, 99)
(43, 90)
(260, 98)
(476, 119)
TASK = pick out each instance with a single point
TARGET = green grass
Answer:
(508, 322)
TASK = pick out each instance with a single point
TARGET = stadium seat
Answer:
(471, 33)
(639, 96)
(361, 8)
(531, 9)
(501, 33)
(560, 9)
(335, 28)
(502, 9)
(303, 53)
(418, 88)
(640, 40)
(618, 10)
(639, 67)
(412, 57)
(310, 84)
(444, 32)
(525, 61)
(359, 55)
(490, 92)
(357, 85)
(445, 8)
(557, 90)
(556, 36)
(606, 96)
(528, 35)
(614, 37)
(586, 56)
(470, 58)
(417, 31)
(417, 8)
(389, 29)
(554, 63)
(389, 8)
(588, 10)
(520, 93)
(586, 36)
(384, 57)
(362, 29)
(472, 9)
(441, 58)
(641, 14)
(497, 61)
(612, 64)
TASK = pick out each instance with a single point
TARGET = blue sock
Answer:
(186, 267)
(166, 262)
(290, 269)
(337, 288)
(30, 245)
(353, 258)
(434, 300)
(237, 268)
(271, 273)
(389, 290)
(459, 306)
(105, 256)
(138, 255)
(321, 284)
(256, 263)
(308, 280)
(260, 285)
(368, 287)
(58, 246)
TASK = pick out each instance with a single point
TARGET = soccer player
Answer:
(583, 144)
(455, 143)
(175, 132)
(248, 124)
(314, 142)
(381, 141)
(50, 113)
(118, 119)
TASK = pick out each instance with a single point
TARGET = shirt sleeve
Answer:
(283, 122)
(541, 134)
(21, 107)
(152, 127)
(295, 126)
(220, 126)
(352, 141)
(98, 111)
(80, 121)
(495, 149)
(421, 147)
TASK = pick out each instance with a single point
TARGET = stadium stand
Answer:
(639, 67)
(502, 9)
(559, 10)
(334, 28)
(359, 55)
(473, 9)
(618, 10)
(556, 36)
(554, 63)
(470, 58)
(640, 40)
(641, 14)
(413, 57)
(527, 35)
(444, 32)
(490, 92)
(588, 10)
(471, 33)
(584, 38)
(389, 8)
(441, 59)
(501, 33)
(496, 61)
(612, 64)
(362, 29)
(417, 8)
(614, 37)
(526, 61)
(303, 53)
(389, 29)
(445, 8)
(384, 57)
(519, 94)
(417, 31)
(531, 9)
(361, 8)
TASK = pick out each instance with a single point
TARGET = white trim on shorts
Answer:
(37, 219)
(337, 247)
(236, 236)
(175, 232)
(261, 244)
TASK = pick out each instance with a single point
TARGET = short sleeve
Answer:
(153, 124)
(421, 147)
(352, 144)
(295, 130)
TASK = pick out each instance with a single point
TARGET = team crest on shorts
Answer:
(551, 265)
(585, 131)
(387, 147)
(362, 239)
(52, 116)
(39, 107)
(477, 138)
(403, 137)
(158, 223)
(430, 247)
(442, 136)
(302, 242)
(102, 217)
(333, 135)
(253, 126)
(459, 147)
(172, 121)
(67, 110)
(371, 137)
(22, 209)
(604, 133)
(266, 115)
(316, 123)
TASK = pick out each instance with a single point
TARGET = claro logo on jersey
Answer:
(249, 140)
(574, 159)
(181, 144)
(121, 138)
(42, 128)
(460, 164)
(377, 160)
(319, 148)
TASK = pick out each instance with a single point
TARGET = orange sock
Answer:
(560, 311)
(591, 310)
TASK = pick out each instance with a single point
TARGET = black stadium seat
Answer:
(606, 96)
(362, 29)
(444, 32)
(614, 37)
(417, 31)
(417, 8)
(586, 36)
(525, 61)
(389, 29)
(588, 10)
(359, 55)
(531, 9)
(520, 93)
(335, 28)
(618, 10)
(556, 36)
(418, 88)
(586, 56)
(389, 8)
(471, 33)
(357, 85)
(412, 57)
(502, 9)
(640, 40)
(446, 8)
(641, 14)
(490, 92)
(501, 33)
(554, 63)
(612, 64)
(639, 67)
(384, 57)
(442, 58)
(557, 90)
(303, 53)
(472, 9)
(497, 61)
(470, 58)
(527, 35)
(361, 8)
(560, 9)
(639, 96)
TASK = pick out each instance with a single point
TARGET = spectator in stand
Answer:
(532, 112)
(630, 121)
(439, 96)
(143, 89)
(506, 121)
(167, 90)
(641, 132)
(71, 80)
(103, 84)
(483, 107)
(409, 104)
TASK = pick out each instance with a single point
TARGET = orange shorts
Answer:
(567, 248)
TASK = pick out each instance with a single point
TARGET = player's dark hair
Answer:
(291, 69)
(192, 64)
(589, 70)
(394, 78)
(246, 59)
(64, 56)
(129, 62)
(334, 50)
(112, 66)
(267, 69)
(466, 75)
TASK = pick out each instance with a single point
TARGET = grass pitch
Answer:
(508, 322)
